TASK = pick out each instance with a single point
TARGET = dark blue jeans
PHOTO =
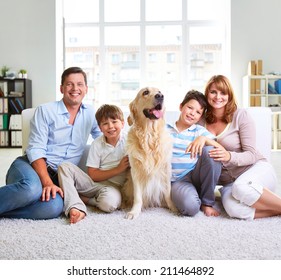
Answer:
(21, 197)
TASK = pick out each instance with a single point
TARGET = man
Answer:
(59, 133)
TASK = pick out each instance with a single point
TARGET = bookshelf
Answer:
(15, 95)
(265, 91)
(262, 91)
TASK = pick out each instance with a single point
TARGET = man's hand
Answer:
(51, 190)
(48, 187)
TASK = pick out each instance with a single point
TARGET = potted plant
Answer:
(4, 69)
(23, 73)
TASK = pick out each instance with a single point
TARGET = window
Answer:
(176, 50)
(152, 57)
(171, 58)
(115, 58)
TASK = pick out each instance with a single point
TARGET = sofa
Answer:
(261, 116)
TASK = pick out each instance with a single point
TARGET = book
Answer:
(19, 104)
(5, 121)
(1, 105)
(271, 89)
(18, 138)
(13, 138)
(14, 108)
(5, 105)
(259, 67)
(16, 94)
(252, 68)
(4, 138)
(15, 122)
(1, 93)
(4, 88)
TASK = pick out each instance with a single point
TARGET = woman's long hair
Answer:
(223, 84)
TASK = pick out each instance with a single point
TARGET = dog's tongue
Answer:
(157, 113)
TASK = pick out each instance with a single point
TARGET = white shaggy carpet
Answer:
(156, 234)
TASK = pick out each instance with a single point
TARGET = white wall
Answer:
(255, 34)
(29, 40)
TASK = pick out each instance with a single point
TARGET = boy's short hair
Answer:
(107, 111)
(196, 95)
(73, 70)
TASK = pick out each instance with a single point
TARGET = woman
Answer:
(247, 178)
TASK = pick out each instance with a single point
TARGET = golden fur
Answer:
(149, 147)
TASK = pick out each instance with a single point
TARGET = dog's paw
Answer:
(131, 215)
(176, 212)
(123, 205)
(172, 207)
(170, 204)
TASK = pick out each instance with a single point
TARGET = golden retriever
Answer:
(149, 147)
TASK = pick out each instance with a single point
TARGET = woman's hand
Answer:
(220, 154)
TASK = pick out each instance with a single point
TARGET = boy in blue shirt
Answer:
(194, 173)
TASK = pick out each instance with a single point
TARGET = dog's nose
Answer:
(159, 96)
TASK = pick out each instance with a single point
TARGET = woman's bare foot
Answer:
(210, 211)
(76, 215)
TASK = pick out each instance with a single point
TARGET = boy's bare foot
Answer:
(210, 211)
(76, 215)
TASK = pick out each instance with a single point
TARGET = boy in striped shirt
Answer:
(194, 173)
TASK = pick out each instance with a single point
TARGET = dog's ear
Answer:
(131, 117)
(129, 120)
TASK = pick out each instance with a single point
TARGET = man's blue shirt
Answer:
(53, 138)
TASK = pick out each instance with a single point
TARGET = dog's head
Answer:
(148, 104)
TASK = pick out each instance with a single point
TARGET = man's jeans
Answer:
(21, 197)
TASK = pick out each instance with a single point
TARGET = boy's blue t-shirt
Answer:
(181, 162)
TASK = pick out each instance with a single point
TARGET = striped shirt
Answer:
(181, 162)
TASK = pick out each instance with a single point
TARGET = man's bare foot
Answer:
(76, 215)
(210, 211)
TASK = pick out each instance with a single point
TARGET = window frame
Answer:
(185, 24)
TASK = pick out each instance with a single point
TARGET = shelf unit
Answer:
(15, 95)
(261, 91)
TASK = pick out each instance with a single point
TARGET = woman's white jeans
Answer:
(239, 196)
